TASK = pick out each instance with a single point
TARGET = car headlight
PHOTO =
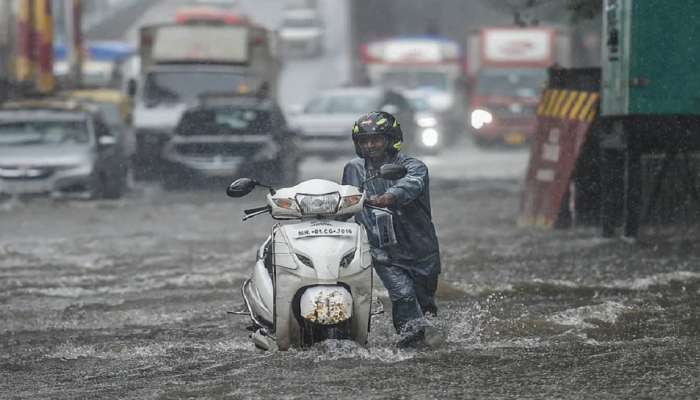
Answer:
(318, 204)
(429, 137)
(480, 117)
(426, 122)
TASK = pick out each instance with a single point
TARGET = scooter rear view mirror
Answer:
(241, 187)
(387, 171)
(392, 171)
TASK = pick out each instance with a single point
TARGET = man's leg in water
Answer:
(405, 310)
(425, 286)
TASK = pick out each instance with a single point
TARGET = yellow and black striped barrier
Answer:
(568, 104)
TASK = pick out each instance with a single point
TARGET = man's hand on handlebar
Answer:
(384, 201)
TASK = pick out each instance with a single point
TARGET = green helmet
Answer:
(378, 123)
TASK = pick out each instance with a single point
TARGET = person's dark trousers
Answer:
(411, 296)
(426, 285)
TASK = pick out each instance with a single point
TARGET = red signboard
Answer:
(563, 119)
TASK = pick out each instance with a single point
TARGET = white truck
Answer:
(179, 62)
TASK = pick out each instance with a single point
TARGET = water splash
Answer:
(333, 350)
(579, 317)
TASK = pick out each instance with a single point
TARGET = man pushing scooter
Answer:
(402, 237)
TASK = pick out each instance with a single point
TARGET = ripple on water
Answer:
(127, 351)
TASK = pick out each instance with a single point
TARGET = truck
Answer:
(426, 67)
(507, 70)
(181, 61)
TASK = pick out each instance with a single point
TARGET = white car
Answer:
(324, 124)
(302, 32)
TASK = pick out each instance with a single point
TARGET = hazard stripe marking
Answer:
(552, 103)
(567, 104)
(577, 106)
(543, 101)
(558, 103)
(587, 108)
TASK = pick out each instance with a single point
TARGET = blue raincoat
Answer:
(407, 259)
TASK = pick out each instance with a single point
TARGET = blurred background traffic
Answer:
(182, 92)
(129, 105)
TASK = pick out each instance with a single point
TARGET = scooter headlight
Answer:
(318, 204)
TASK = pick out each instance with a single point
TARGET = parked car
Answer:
(228, 136)
(324, 123)
(116, 108)
(302, 32)
(61, 148)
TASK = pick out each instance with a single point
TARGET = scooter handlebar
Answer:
(252, 212)
(387, 210)
(255, 210)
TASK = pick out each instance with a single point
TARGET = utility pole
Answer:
(6, 48)
(43, 19)
(72, 13)
(24, 67)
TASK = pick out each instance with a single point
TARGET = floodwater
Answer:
(128, 299)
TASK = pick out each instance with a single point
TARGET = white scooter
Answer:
(312, 278)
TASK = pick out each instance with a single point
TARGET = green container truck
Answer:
(651, 57)
(650, 108)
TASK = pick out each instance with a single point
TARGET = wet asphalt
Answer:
(128, 299)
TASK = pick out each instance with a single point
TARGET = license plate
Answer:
(23, 187)
(324, 231)
(515, 138)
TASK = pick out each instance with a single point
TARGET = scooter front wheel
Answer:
(313, 333)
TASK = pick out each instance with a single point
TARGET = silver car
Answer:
(59, 151)
(325, 122)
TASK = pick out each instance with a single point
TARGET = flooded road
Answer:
(128, 299)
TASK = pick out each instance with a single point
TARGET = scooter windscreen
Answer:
(315, 197)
